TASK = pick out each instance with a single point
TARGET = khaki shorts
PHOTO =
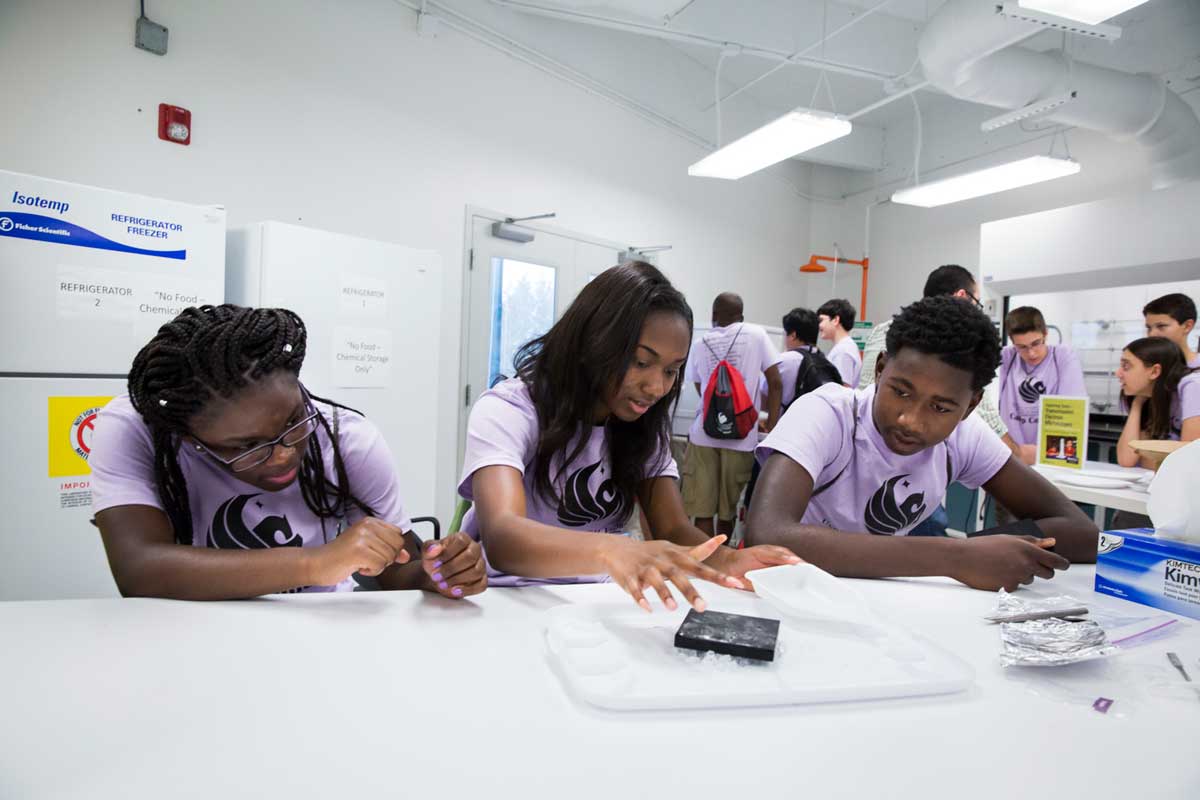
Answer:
(713, 479)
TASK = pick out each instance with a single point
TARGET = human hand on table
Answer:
(636, 566)
(738, 562)
(995, 562)
(455, 566)
(367, 547)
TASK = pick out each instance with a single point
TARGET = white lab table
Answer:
(409, 695)
(1133, 500)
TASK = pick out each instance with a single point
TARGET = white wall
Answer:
(336, 115)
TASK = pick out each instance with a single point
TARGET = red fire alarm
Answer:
(174, 124)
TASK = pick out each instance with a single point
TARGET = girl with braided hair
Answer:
(220, 448)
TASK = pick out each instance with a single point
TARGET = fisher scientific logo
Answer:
(6, 225)
(81, 432)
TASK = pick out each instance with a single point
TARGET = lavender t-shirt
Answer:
(845, 356)
(789, 365)
(1022, 386)
(229, 514)
(503, 430)
(1185, 403)
(751, 351)
(875, 489)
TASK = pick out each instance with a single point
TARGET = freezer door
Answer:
(49, 550)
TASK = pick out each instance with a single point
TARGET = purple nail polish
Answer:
(457, 591)
(443, 586)
(437, 565)
(437, 576)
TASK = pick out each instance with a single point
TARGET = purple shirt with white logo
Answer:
(1022, 387)
(503, 430)
(228, 514)
(869, 487)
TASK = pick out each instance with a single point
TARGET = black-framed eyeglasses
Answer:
(260, 454)
(1034, 345)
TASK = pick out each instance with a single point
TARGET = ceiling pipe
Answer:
(968, 51)
(654, 31)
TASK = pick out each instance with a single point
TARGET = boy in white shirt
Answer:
(836, 320)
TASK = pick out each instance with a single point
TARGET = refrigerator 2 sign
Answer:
(72, 421)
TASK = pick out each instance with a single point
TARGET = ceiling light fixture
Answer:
(1001, 178)
(1034, 109)
(1089, 12)
(795, 132)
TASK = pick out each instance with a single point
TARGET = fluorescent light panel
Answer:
(1089, 12)
(793, 133)
(1001, 178)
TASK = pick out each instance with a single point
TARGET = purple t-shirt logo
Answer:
(885, 516)
(1030, 390)
(579, 506)
(229, 530)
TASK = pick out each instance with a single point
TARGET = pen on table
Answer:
(1177, 664)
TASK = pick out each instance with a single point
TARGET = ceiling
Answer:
(660, 58)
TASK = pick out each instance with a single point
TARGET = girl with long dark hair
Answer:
(1161, 393)
(558, 458)
(218, 447)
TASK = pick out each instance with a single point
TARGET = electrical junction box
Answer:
(151, 36)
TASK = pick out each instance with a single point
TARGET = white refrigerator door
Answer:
(373, 314)
(88, 275)
(49, 549)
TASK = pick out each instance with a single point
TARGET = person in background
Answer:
(219, 476)
(847, 473)
(1161, 393)
(801, 329)
(1030, 368)
(836, 321)
(948, 280)
(558, 458)
(1173, 316)
(715, 471)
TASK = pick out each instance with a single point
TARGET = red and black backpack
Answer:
(728, 411)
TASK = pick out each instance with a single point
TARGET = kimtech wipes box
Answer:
(1139, 566)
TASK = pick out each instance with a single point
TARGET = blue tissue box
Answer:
(1139, 566)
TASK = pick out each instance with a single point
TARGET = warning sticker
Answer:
(71, 421)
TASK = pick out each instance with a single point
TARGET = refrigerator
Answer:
(88, 276)
(373, 314)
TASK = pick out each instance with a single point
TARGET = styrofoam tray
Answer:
(1100, 476)
(807, 593)
(618, 657)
